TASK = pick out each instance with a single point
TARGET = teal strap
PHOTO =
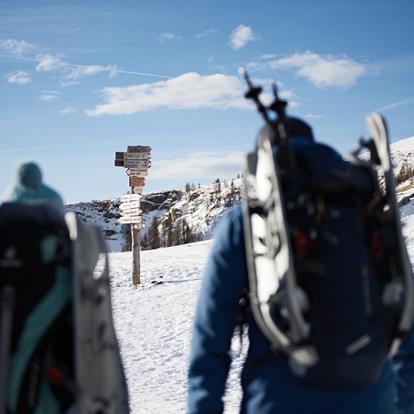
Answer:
(47, 402)
(35, 326)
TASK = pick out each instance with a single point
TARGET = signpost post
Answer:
(137, 161)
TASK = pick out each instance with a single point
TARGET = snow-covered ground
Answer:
(154, 322)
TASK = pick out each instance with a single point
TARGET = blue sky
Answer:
(80, 80)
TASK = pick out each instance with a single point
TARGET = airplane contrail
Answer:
(111, 70)
(403, 102)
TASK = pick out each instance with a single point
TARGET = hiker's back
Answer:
(37, 329)
(268, 384)
(338, 238)
(58, 343)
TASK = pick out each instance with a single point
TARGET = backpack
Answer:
(57, 340)
(329, 283)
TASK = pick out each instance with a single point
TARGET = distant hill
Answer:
(170, 217)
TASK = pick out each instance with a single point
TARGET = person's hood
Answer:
(29, 175)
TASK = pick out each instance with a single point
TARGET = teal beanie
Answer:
(29, 175)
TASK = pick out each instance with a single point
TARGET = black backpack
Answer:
(44, 351)
(341, 244)
(328, 280)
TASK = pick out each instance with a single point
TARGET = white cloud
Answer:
(18, 77)
(199, 165)
(240, 36)
(267, 56)
(70, 73)
(78, 72)
(166, 36)
(188, 91)
(49, 96)
(48, 63)
(67, 110)
(323, 71)
(206, 33)
(15, 47)
(314, 116)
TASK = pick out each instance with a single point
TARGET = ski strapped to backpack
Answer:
(100, 378)
(329, 276)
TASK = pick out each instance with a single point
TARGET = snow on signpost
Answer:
(137, 161)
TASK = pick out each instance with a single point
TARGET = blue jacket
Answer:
(267, 383)
(29, 188)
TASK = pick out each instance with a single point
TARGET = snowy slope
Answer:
(153, 324)
(403, 149)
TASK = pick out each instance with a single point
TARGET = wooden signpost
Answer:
(137, 161)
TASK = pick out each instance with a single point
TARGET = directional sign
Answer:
(137, 190)
(137, 155)
(129, 205)
(130, 197)
(130, 220)
(133, 155)
(139, 148)
(136, 181)
(137, 171)
(133, 172)
(131, 212)
(138, 216)
(137, 163)
(134, 175)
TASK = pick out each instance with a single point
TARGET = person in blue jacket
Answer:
(29, 188)
(268, 385)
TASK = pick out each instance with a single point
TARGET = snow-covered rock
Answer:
(177, 217)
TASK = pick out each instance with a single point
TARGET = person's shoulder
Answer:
(233, 218)
(230, 229)
(49, 191)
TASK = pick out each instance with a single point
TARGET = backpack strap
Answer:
(35, 327)
(6, 327)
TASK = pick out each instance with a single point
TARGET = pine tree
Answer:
(231, 195)
(218, 185)
(405, 173)
(177, 234)
(153, 235)
(167, 230)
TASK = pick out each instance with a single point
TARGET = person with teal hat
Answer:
(29, 188)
